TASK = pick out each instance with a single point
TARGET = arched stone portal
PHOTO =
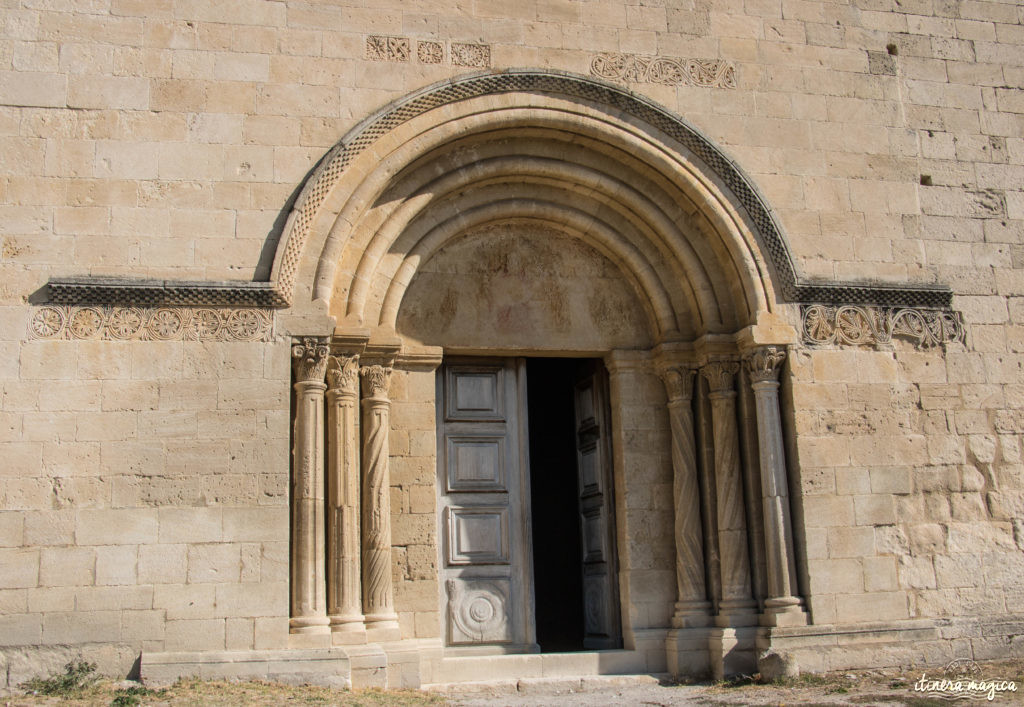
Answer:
(512, 216)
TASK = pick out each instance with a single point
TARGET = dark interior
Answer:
(557, 555)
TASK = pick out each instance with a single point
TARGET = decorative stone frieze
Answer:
(308, 552)
(113, 323)
(692, 607)
(476, 55)
(430, 52)
(673, 71)
(344, 597)
(399, 49)
(732, 526)
(378, 594)
(873, 326)
(783, 606)
(381, 48)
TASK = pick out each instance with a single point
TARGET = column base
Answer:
(347, 630)
(309, 624)
(691, 614)
(736, 612)
(791, 616)
(382, 627)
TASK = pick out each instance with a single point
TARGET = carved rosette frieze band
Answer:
(783, 606)
(692, 607)
(732, 527)
(344, 598)
(378, 594)
(308, 586)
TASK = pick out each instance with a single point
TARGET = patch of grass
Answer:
(78, 676)
(129, 696)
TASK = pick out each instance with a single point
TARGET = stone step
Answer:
(543, 686)
(515, 667)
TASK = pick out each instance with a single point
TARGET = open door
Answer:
(601, 625)
(483, 494)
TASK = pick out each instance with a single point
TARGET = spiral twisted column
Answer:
(308, 586)
(737, 598)
(692, 607)
(783, 607)
(378, 593)
(344, 598)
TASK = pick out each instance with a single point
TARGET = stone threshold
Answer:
(545, 686)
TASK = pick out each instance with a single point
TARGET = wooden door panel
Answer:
(476, 462)
(484, 499)
(601, 626)
(478, 535)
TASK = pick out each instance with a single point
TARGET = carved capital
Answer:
(343, 373)
(678, 382)
(376, 380)
(309, 359)
(765, 363)
(719, 375)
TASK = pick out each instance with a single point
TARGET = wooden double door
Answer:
(490, 531)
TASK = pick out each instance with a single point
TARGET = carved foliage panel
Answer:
(151, 323)
(873, 326)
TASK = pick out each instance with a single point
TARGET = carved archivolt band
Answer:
(151, 323)
(712, 73)
(868, 326)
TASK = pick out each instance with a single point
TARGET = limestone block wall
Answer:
(911, 488)
(414, 555)
(144, 500)
(144, 483)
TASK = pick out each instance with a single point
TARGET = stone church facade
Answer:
(403, 342)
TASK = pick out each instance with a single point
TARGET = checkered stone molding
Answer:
(279, 293)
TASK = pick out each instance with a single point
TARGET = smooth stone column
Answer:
(378, 593)
(344, 599)
(692, 607)
(308, 586)
(783, 606)
(737, 600)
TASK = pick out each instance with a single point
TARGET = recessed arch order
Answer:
(683, 224)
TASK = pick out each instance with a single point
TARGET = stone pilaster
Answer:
(344, 598)
(692, 607)
(737, 600)
(308, 586)
(783, 606)
(378, 593)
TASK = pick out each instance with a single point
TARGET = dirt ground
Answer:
(884, 688)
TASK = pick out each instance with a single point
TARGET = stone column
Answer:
(308, 590)
(378, 594)
(692, 607)
(732, 527)
(783, 606)
(344, 599)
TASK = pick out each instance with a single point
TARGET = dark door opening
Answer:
(554, 496)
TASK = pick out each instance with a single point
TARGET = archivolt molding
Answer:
(621, 108)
